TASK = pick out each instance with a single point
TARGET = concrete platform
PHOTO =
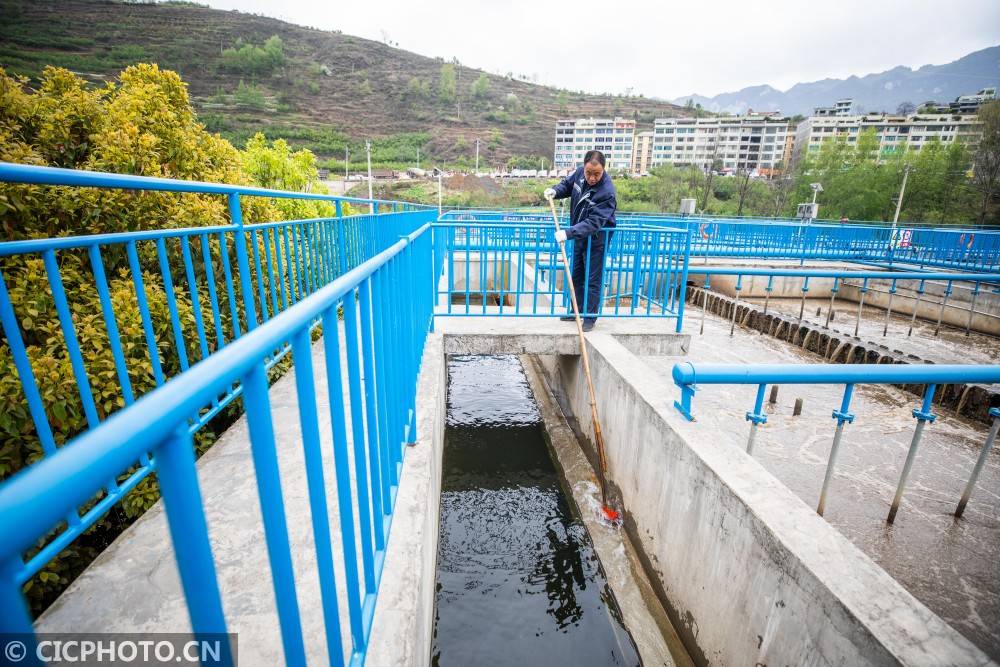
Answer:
(549, 335)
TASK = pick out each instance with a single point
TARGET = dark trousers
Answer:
(588, 276)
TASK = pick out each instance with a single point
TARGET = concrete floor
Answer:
(952, 566)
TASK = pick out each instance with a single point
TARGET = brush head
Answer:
(610, 515)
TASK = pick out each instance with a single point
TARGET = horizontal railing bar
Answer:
(829, 273)
(36, 175)
(58, 483)
(688, 373)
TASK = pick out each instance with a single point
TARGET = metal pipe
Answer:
(923, 415)
(767, 292)
(739, 286)
(888, 311)
(833, 295)
(861, 304)
(944, 302)
(916, 307)
(757, 417)
(704, 305)
(802, 304)
(843, 417)
(972, 310)
(983, 455)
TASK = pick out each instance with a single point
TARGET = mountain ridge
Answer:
(878, 91)
(331, 89)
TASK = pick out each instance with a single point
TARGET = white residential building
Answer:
(839, 108)
(613, 137)
(913, 131)
(754, 142)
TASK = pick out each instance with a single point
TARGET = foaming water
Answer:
(518, 582)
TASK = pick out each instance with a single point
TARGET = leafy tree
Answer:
(365, 88)
(986, 168)
(446, 84)
(248, 58)
(481, 87)
(143, 124)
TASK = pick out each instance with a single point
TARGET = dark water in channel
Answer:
(518, 581)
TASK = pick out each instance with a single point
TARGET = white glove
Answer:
(550, 193)
(561, 236)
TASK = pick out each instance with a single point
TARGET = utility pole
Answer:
(899, 204)
(439, 193)
(477, 157)
(368, 149)
(418, 157)
(347, 161)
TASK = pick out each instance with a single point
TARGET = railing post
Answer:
(246, 283)
(684, 277)
(757, 417)
(843, 417)
(983, 455)
(13, 609)
(189, 534)
(684, 405)
(923, 415)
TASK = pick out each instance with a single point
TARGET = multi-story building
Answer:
(642, 152)
(839, 108)
(755, 143)
(613, 137)
(962, 103)
(892, 132)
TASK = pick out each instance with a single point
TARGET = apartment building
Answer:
(757, 142)
(962, 103)
(893, 132)
(613, 137)
(839, 108)
(642, 152)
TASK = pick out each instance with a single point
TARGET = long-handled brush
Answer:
(609, 513)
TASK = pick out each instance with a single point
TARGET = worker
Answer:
(591, 223)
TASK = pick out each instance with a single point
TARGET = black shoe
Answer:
(588, 325)
(567, 318)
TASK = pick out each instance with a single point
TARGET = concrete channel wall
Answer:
(969, 400)
(748, 573)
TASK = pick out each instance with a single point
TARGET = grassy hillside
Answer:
(323, 89)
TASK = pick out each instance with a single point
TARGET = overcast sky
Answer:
(663, 48)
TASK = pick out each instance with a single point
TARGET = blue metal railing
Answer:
(195, 290)
(985, 281)
(388, 344)
(687, 376)
(789, 238)
(498, 264)
(962, 249)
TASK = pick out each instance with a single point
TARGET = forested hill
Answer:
(318, 88)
